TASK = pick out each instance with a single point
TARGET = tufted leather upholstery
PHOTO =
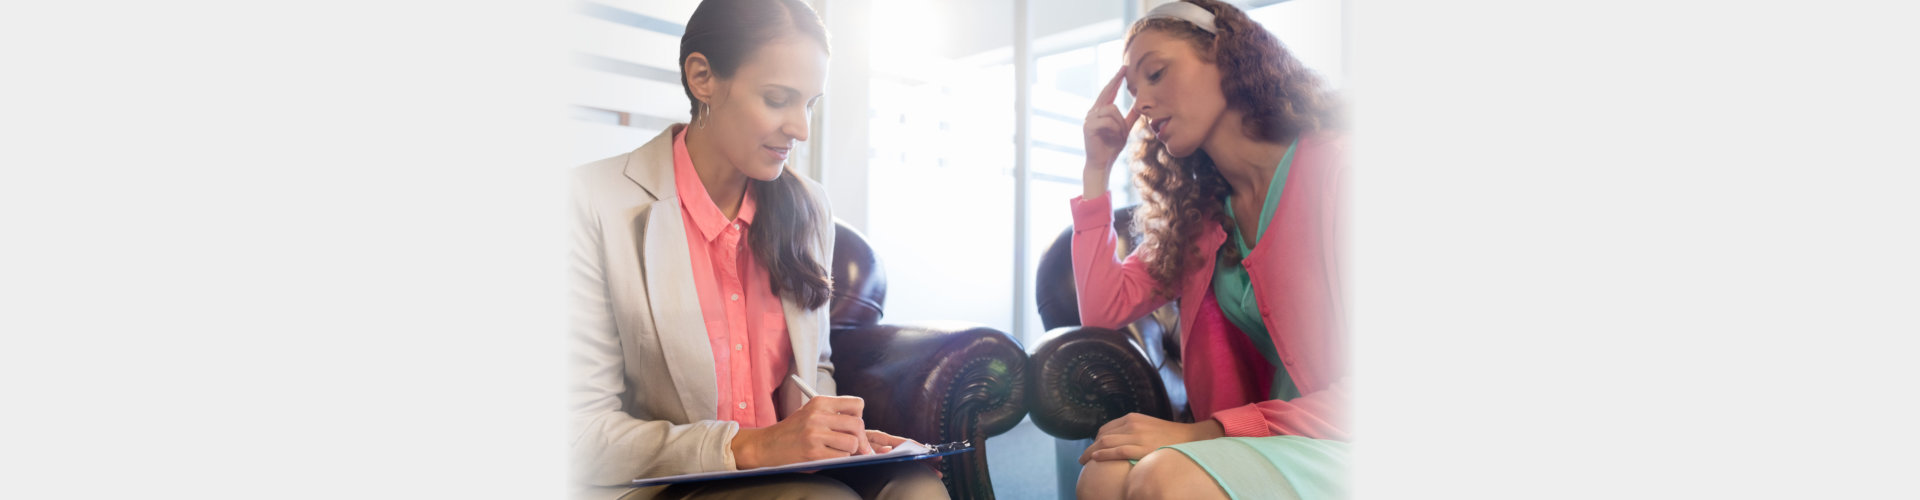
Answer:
(932, 382)
(859, 283)
(1081, 377)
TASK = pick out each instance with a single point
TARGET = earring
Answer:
(706, 113)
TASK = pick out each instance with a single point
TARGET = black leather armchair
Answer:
(934, 382)
(1081, 377)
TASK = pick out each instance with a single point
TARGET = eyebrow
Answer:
(1136, 67)
(1136, 60)
(792, 92)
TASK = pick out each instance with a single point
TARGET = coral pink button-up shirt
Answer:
(745, 324)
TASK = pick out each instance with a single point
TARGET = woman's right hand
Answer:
(1106, 133)
(825, 427)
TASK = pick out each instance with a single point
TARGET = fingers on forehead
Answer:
(1113, 87)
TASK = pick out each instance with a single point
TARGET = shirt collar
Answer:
(694, 198)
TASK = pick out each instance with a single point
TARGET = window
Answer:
(1312, 30)
(940, 160)
(1071, 64)
(626, 84)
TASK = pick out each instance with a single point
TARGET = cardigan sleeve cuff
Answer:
(1094, 213)
(726, 447)
(1243, 421)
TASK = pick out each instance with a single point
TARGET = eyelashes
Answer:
(1152, 78)
(776, 102)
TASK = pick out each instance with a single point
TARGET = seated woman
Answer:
(1242, 178)
(699, 286)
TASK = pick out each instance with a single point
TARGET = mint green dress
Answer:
(1286, 467)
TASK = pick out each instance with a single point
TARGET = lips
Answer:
(1158, 126)
(778, 154)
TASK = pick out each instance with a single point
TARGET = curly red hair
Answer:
(1281, 100)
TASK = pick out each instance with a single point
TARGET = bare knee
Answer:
(1102, 480)
(1167, 473)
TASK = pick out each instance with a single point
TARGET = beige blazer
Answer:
(643, 394)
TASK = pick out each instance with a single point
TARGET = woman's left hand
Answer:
(1135, 435)
(883, 442)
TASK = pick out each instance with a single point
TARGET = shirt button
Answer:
(743, 405)
(736, 225)
(733, 297)
(737, 347)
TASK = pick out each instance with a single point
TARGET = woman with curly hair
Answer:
(1242, 173)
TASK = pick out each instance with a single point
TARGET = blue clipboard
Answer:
(938, 450)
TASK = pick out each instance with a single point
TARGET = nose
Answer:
(797, 124)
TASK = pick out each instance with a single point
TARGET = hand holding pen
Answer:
(881, 441)
(824, 427)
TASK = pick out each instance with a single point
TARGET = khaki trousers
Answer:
(894, 481)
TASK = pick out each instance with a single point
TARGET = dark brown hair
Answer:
(1281, 101)
(727, 32)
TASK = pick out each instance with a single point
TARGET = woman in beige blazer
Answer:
(644, 398)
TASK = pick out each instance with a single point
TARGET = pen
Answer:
(804, 388)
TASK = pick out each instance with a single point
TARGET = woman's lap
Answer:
(902, 480)
(777, 486)
(1313, 469)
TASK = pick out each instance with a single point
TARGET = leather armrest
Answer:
(928, 381)
(1082, 377)
(937, 383)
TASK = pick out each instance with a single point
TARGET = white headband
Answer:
(1184, 11)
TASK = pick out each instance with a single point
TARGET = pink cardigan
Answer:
(1297, 274)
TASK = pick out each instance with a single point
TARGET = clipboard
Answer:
(905, 452)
